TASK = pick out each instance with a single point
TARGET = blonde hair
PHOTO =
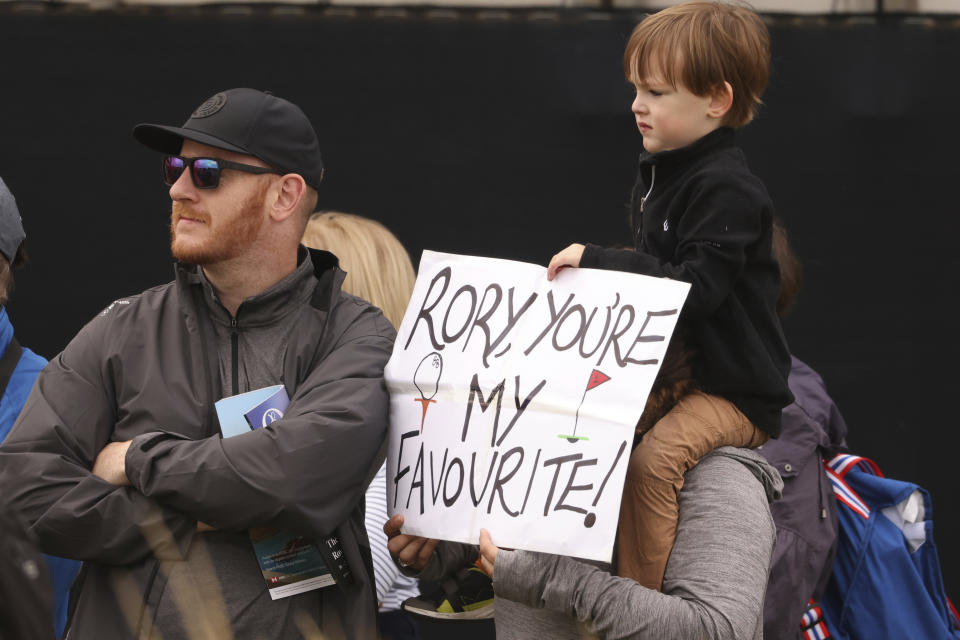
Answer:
(378, 267)
(701, 45)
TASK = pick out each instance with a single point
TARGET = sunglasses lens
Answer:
(172, 168)
(206, 173)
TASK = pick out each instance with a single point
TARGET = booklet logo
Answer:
(271, 415)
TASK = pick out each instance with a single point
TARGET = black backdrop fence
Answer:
(510, 135)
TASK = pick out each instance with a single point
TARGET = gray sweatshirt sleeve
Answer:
(715, 580)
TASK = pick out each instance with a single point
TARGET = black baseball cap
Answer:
(246, 121)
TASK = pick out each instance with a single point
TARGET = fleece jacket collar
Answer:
(280, 299)
(721, 138)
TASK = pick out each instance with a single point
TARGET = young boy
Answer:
(698, 215)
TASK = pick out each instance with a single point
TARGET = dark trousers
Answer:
(397, 625)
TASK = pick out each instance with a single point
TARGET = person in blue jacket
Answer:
(19, 368)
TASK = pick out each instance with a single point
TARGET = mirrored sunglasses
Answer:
(205, 172)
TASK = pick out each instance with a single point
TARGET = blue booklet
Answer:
(251, 410)
(290, 563)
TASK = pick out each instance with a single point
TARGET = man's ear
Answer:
(721, 99)
(291, 190)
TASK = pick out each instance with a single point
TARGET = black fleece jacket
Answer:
(700, 216)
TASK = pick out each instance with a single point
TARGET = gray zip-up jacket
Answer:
(146, 370)
(715, 580)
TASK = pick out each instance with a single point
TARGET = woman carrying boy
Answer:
(699, 215)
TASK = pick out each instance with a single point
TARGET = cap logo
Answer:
(210, 107)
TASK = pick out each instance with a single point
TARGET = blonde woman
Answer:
(378, 267)
(378, 270)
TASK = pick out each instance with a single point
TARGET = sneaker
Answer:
(468, 595)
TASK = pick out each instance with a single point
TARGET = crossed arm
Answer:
(45, 473)
(716, 575)
(92, 499)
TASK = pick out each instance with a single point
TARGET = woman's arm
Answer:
(716, 576)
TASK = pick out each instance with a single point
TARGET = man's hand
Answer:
(569, 257)
(488, 552)
(410, 551)
(111, 463)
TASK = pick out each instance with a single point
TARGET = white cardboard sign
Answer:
(514, 400)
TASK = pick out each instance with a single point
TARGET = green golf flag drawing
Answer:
(597, 378)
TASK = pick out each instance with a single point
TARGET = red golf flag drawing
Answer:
(597, 378)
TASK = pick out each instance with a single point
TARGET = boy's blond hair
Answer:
(701, 45)
(378, 267)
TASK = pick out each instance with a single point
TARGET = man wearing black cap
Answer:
(118, 458)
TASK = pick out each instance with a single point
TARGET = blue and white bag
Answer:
(886, 580)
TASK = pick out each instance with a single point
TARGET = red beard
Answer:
(222, 237)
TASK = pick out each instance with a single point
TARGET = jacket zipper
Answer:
(653, 179)
(235, 354)
(643, 201)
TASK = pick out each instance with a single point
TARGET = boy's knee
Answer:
(698, 424)
(651, 463)
(713, 422)
(712, 411)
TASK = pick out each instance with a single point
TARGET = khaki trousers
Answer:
(698, 424)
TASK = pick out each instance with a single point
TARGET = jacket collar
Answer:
(716, 140)
(264, 308)
(326, 268)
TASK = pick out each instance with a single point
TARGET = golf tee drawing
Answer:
(427, 379)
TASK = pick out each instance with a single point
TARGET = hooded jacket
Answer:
(714, 582)
(62, 571)
(700, 216)
(146, 370)
(806, 517)
(21, 379)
